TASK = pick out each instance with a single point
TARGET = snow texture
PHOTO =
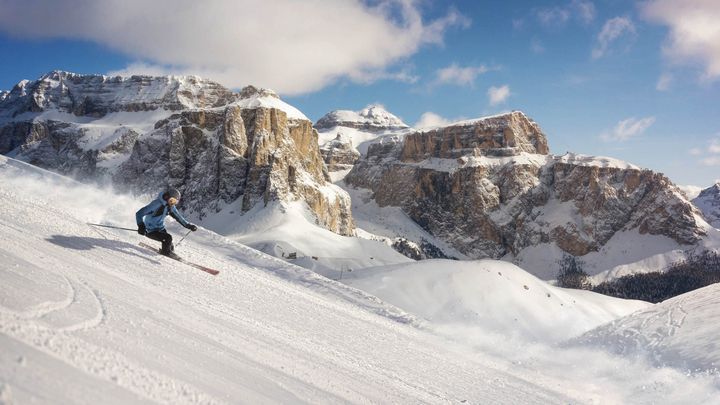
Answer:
(87, 316)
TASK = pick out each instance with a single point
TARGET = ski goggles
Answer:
(172, 201)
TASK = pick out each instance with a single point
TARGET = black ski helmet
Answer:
(171, 193)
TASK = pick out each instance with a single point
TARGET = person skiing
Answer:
(151, 219)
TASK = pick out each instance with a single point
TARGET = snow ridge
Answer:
(371, 118)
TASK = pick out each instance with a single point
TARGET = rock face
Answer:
(339, 153)
(145, 133)
(504, 135)
(708, 201)
(489, 188)
(97, 95)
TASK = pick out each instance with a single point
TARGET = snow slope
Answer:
(684, 332)
(87, 316)
(493, 296)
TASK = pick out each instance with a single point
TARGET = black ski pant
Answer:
(164, 237)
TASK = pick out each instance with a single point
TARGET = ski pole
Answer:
(110, 226)
(183, 238)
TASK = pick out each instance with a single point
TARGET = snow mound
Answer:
(491, 295)
(681, 332)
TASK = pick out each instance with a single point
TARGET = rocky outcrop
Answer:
(708, 201)
(503, 135)
(339, 153)
(215, 146)
(489, 188)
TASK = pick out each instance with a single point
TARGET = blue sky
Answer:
(638, 81)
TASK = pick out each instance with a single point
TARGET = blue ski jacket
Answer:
(153, 215)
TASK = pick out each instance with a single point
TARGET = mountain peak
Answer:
(252, 91)
(96, 95)
(372, 118)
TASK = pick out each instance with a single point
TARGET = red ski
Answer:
(181, 260)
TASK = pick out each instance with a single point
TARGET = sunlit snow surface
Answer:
(87, 316)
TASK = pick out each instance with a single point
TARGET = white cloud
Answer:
(628, 128)
(710, 161)
(710, 155)
(664, 82)
(558, 16)
(555, 16)
(497, 95)
(461, 76)
(612, 30)
(585, 10)
(292, 47)
(714, 146)
(694, 35)
(431, 120)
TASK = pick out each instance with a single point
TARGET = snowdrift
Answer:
(492, 296)
(681, 332)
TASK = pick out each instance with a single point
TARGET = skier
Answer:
(151, 219)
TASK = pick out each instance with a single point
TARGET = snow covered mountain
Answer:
(250, 166)
(373, 118)
(708, 201)
(88, 316)
(344, 135)
(489, 188)
(144, 133)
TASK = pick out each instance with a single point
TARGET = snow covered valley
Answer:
(87, 316)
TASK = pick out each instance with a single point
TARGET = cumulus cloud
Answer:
(628, 128)
(498, 95)
(612, 30)
(461, 76)
(292, 47)
(431, 120)
(710, 154)
(694, 35)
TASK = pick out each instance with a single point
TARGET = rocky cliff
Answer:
(490, 188)
(708, 201)
(145, 133)
(339, 153)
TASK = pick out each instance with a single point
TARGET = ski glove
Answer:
(141, 229)
(191, 227)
